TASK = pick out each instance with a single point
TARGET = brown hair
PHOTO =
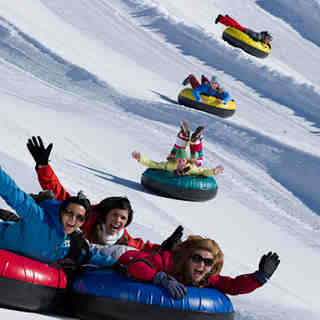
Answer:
(183, 252)
(104, 207)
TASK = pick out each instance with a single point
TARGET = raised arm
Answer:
(149, 163)
(46, 176)
(49, 181)
(17, 199)
(248, 282)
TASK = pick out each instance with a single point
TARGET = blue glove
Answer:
(176, 289)
(100, 260)
(267, 266)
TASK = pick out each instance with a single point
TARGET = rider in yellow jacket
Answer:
(181, 165)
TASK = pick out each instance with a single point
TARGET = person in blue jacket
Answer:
(208, 88)
(45, 232)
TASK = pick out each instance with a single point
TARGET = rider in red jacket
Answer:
(195, 262)
(263, 36)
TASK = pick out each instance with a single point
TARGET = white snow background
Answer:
(100, 79)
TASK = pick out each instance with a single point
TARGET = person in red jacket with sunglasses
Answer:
(195, 262)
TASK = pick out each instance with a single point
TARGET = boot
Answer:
(186, 80)
(185, 129)
(197, 134)
(218, 18)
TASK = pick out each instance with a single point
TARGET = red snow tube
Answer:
(27, 284)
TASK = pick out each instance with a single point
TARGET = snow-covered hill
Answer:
(100, 79)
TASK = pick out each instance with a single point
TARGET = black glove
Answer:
(7, 215)
(38, 151)
(173, 240)
(267, 266)
(43, 195)
(176, 289)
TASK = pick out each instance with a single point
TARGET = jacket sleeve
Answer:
(242, 284)
(141, 265)
(201, 171)
(17, 199)
(225, 96)
(153, 164)
(49, 181)
(140, 244)
(201, 89)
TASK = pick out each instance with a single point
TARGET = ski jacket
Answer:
(171, 166)
(205, 88)
(143, 266)
(39, 233)
(49, 181)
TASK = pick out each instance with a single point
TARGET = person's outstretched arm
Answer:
(248, 282)
(17, 199)
(46, 176)
(149, 163)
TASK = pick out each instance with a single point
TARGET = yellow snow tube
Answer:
(186, 98)
(241, 40)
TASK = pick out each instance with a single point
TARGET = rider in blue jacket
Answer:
(208, 88)
(43, 232)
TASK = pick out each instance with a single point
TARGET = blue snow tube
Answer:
(192, 188)
(107, 294)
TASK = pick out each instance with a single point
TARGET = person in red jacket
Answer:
(195, 262)
(263, 36)
(108, 219)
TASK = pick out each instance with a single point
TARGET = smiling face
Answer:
(116, 220)
(213, 85)
(198, 267)
(181, 163)
(73, 217)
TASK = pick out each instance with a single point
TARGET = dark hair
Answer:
(266, 35)
(80, 199)
(104, 207)
(107, 204)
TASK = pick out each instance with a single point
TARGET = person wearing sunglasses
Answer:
(45, 231)
(109, 218)
(196, 262)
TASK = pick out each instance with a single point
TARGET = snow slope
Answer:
(100, 79)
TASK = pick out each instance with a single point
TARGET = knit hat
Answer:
(214, 79)
(181, 154)
(80, 199)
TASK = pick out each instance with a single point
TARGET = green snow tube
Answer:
(191, 188)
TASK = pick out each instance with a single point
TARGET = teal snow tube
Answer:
(191, 188)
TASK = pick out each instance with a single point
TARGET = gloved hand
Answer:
(38, 151)
(176, 289)
(267, 266)
(173, 240)
(42, 195)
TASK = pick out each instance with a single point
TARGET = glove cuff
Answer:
(261, 277)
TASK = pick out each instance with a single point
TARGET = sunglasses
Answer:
(196, 258)
(71, 214)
